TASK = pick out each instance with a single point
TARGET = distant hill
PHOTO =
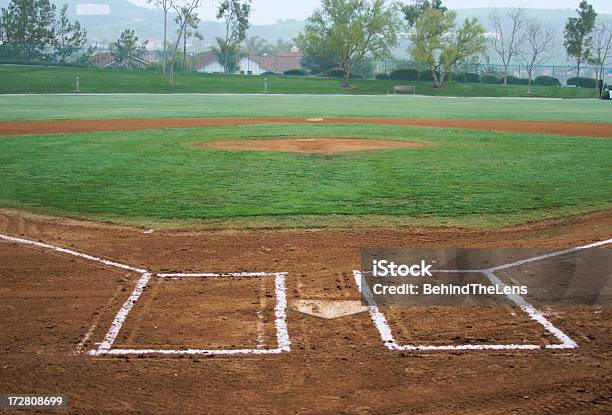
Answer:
(148, 24)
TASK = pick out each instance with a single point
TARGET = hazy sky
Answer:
(268, 11)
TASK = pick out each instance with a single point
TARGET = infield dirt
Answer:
(320, 145)
(72, 126)
(49, 302)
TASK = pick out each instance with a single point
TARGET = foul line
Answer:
(71, 252)
(565, 342)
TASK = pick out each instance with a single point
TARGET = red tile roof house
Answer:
(253, 65)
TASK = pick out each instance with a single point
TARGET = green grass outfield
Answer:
(33, 79)
(163, 178)
(133, 105)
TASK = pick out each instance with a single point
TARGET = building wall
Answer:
(245, 65)
(248, 65)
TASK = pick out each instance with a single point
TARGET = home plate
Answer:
(314, 119)
(329, 309)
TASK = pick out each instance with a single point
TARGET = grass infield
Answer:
(466, 178)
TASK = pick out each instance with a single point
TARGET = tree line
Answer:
(342, 32)
(33, 30)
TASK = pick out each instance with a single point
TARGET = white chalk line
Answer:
(105, 347)
(282, 334)
(218, 275)
(71, 252)
(384, 329)
(523, 261)
(121, 316)
(565, 342)
(94, 324)
(551, 255)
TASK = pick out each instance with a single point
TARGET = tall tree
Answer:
(185, 13)
(190, 30)
(228, 55)
(416, 9)
(439, 44)
(350, 30)
(28, 28)
(601, 53)
(69, 37)
(2, 30)
(235, 14)
(127, 47)
(166, 6)
(539, 42)
(510, 34)
(578, 35)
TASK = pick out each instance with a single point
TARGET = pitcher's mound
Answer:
(311, 145)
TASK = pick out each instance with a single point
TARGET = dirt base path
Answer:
(71, 126)
(49, 302)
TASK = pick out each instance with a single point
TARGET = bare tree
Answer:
(509, 38)
(601, 50)
(187, 12)
(191, 30)
(539, 42)
(165, 5)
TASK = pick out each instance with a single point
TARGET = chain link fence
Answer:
(286, 63)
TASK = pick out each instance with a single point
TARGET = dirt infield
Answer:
(311, 145)
(71, 126)
(51, 302)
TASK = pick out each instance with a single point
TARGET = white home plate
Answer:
(314, 119)
(329, 309)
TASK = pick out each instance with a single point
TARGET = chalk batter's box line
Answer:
(105, 347)
(280, 322)
(383, 327)
(565, 342)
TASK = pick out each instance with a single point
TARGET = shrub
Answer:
(295, 72)
(335, 73)
(513, 80)
(364, 68)
(583, 82)
(268, 73)
(523, 81)
(546, 81)
(466, 77)
(382, 76)
(404, 75)
(489, 78)
(425, 76)
(339, 73)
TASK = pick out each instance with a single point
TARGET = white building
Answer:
(253, 65)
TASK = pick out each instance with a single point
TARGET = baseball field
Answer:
(201, 253)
